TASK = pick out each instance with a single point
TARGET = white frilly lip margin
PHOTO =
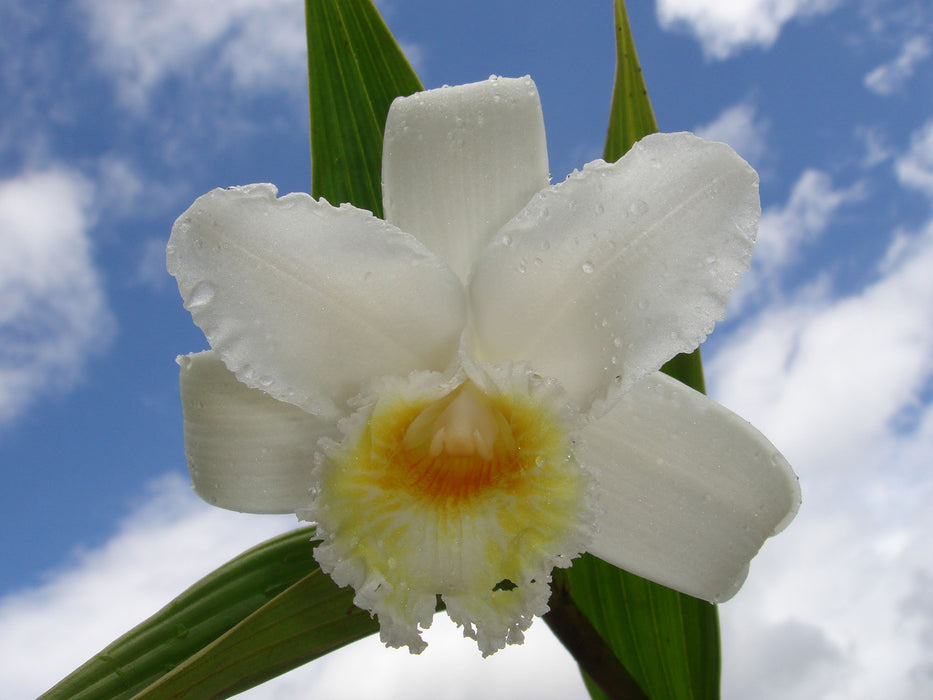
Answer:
(689, 490)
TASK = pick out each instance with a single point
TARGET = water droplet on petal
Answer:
(201, 294)
(588, 267)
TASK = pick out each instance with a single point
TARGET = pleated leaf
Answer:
(355, 70)
(668, 641)
(224, 633)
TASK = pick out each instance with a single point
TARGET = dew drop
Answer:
(265, 381)
(201, 294)
(507, 240)
(588, 267)
(617, 341)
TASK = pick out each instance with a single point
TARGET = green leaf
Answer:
(668, 641)
(207, 636)
(355, 70)
(306, 621)
(630, 115)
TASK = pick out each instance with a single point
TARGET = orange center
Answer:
(452, 450)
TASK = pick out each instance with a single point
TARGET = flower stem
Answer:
(583, 641)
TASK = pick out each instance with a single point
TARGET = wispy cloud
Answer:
(874, 141)
(842, 386)
(891, 77)
(725, 28)
(257, 46)
(786, 230)
(915, 168)
(150, 270)
(172, 539)
(54, 314)
(740, 127)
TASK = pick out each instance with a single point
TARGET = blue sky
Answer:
(119, 113)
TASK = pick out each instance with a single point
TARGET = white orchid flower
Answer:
(466, 395)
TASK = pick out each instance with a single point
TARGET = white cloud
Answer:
(786, 230)
(258, 45)
(808, 211)
(725, 27)
(171, 540)
(842, 386)
(915, 168)
(877, 150)
(150, 271)
(891, 77)
(740, 127)
(53, 309)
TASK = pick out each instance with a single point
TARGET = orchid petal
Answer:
(689, 490)
(606, 276)
(307, 301)
(246, 451)
(458, 162)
